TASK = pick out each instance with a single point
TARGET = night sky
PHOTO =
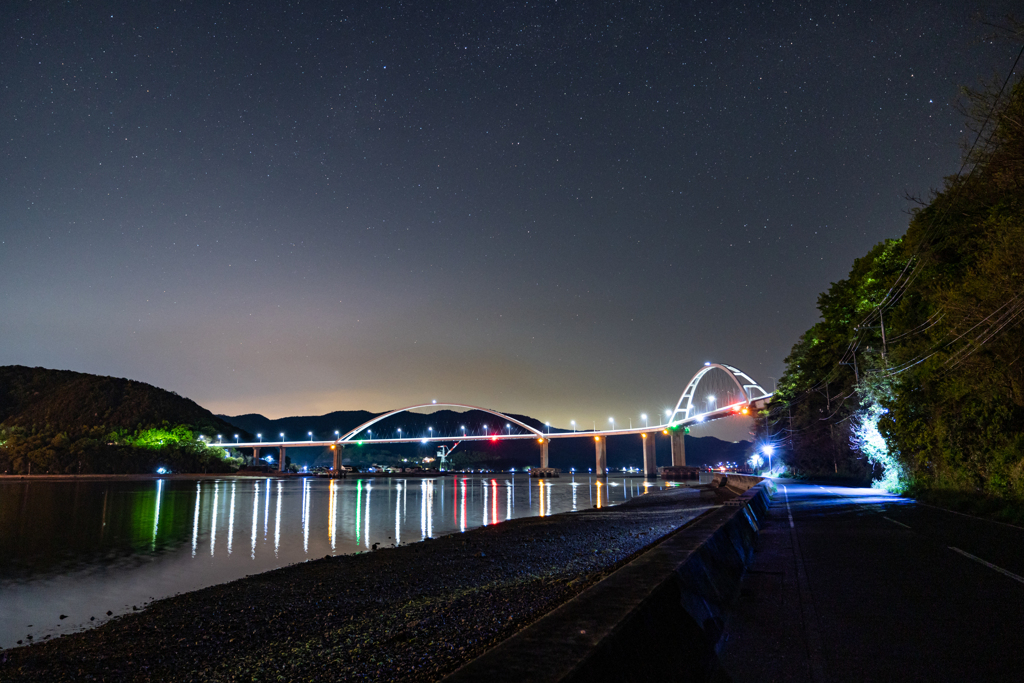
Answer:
(561, 209)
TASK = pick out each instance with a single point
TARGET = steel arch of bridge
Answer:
(748, 386)
(350, 435)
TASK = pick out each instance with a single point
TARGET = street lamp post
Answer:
(612, 420)
(260, 437)
(644, 418)
(310, 437)
(573, 423)
(236, 438)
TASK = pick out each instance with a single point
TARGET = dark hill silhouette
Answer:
(71, 400)
(61, 421)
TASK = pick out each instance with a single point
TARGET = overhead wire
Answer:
(895, 292)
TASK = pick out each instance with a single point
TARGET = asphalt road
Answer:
(853, 585)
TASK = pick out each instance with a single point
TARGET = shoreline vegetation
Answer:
(63, 422)
(414, 612)
(913, 375)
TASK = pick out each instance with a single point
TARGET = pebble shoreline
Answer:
(412, 613)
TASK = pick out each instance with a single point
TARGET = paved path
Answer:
(853, 585)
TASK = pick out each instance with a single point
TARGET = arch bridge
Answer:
(744, 396)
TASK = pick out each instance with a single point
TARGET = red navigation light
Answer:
(494, 438)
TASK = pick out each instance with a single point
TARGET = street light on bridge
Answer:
(612, 420)
(509, 429)
(644, 417)
(573, 423)
(236, 438)
(282, 436)
(310, 436)
(260, 437)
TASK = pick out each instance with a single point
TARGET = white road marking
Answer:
(988, 564)
(896, 523)
(789, 510)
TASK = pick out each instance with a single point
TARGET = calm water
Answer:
(81, 548)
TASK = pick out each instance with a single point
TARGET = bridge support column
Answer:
(650, 461)
(280, 463)
(255, 455)
(544, 452)
(338, 452)
(600, 445)
(678, 446)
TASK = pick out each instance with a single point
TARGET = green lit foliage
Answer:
(159, 437)
(817, 395)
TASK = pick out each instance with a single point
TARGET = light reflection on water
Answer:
(81, 548)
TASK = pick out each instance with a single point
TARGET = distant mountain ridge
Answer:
(341, 421)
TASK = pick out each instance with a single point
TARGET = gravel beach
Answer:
(415, 613)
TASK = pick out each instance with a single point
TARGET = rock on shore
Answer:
(413, 613)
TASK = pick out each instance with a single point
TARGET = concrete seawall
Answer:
(658, 618)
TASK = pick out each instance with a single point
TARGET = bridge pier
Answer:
(543, 452)
(650, 461)
(280, 463)
(678, 446)
(602, 455)
(338, 452)
(255, 455)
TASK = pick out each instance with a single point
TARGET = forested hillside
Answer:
(60, 421)
(915, 372)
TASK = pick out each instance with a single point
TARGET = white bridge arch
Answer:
(350, 435)
(750, 389)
